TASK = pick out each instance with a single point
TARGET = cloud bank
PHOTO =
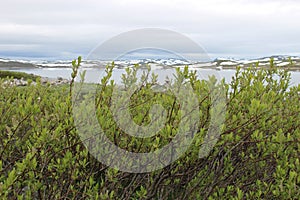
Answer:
(65, 29)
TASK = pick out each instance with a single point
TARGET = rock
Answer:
(44, 80)
(22, 82)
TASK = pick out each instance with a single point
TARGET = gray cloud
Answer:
(66, 28)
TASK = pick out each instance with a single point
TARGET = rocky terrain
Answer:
(44, 80)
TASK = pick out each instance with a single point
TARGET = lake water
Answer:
(95, 74)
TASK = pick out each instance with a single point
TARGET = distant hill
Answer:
(218, 63)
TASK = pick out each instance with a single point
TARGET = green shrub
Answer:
(256, 157)
(18, 75)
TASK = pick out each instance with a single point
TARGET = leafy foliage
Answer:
(17, 75)
(257, 156)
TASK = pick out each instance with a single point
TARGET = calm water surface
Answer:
(95, 75)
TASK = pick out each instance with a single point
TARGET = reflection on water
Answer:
(94, 75)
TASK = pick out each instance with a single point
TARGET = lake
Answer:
(95, 74)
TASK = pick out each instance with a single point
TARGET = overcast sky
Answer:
(229, 28)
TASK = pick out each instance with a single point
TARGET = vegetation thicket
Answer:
(256, 157)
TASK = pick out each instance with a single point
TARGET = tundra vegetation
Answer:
(256, 157)
(17, 75)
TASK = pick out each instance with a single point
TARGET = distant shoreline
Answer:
(218, 63)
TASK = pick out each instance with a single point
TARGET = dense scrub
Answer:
(17, 75)
(256, 157)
